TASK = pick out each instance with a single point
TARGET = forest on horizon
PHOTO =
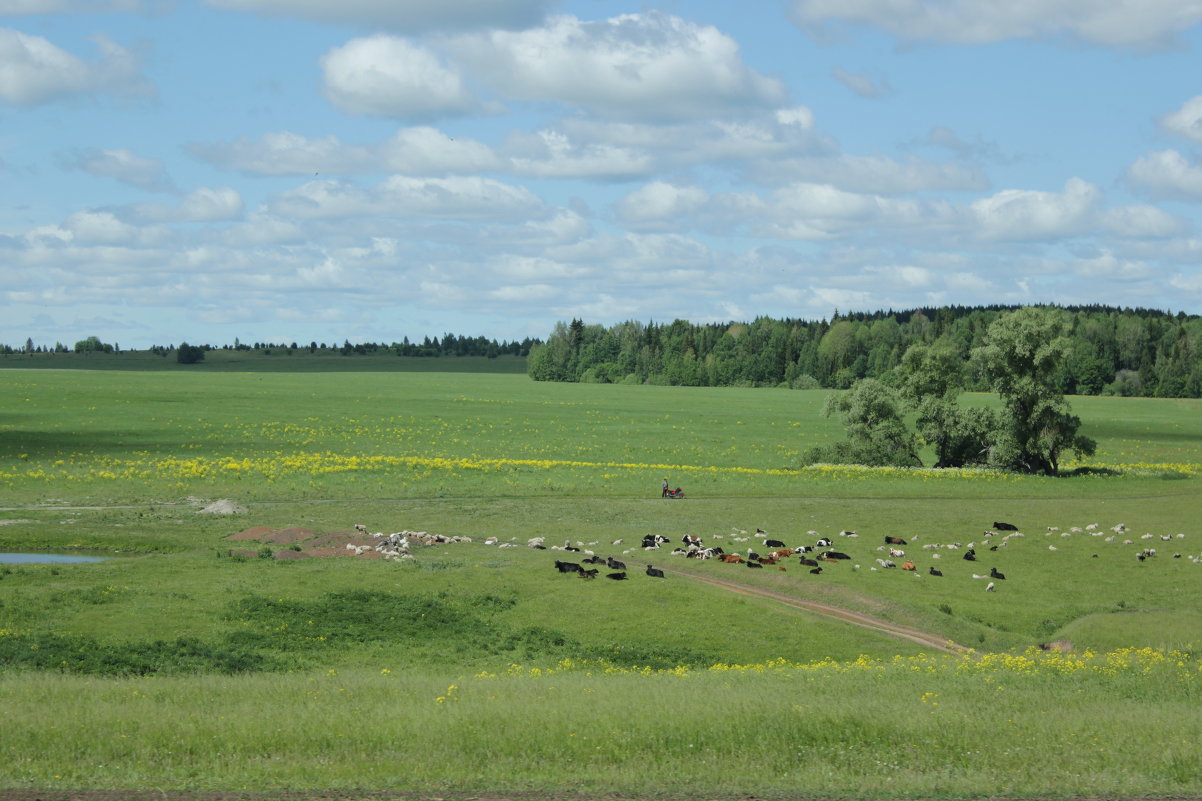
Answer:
(1116, 351)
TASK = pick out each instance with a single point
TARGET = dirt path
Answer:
(923, 638)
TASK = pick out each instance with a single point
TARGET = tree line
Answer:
(448, 345)
(1108, 350)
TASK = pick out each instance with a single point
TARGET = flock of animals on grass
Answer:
(816, 558)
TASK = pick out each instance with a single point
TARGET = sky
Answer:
(367, 170)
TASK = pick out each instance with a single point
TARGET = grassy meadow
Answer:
(183, 662)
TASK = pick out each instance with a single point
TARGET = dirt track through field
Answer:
(840, 614)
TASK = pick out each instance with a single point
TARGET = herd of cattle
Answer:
(816, 558)
(822, 554)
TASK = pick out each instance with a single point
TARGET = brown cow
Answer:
(732, 558)
(908, 565)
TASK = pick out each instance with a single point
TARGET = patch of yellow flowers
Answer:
(1033, 662)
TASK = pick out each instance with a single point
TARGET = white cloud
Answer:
(408, 16)
(413, 151)
(1167, 174)
(1187, 120)
(455, 198)
(1028, 215)
(649, 65)
(1143, 25)
(201, 205)
(874, 174)
(33, 70)
(1143, 221)
(659, 203)
(1106, 265)
(124, 166)
(390, 76)
(551, 154)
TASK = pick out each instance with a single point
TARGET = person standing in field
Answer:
(664, 493)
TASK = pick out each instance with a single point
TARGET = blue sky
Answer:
(365, 170)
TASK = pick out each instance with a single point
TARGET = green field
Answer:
(189, 661)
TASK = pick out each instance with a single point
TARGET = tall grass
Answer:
(918, 727)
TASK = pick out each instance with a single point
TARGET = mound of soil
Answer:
(223, 507)
(252, 533)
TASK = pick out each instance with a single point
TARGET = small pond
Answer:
(47, 558)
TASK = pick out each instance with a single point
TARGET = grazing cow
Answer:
(568, 567)
(894, 540)
(619, 576)
(995, 573)
(935, 572)
(908, 565)
(773, 544)
(362, 529)
(654, 572)
(1005, 526)
(970, 555)
(809, 562)
(614, 564)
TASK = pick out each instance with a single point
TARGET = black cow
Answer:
(614, 564)
(593, 560)
(894, 540)
(995, 573)
(774, 544)
(1005, 526)
(568, 567)
(832, 556)
(654, 572)
(754, 563)
(823, 543)
(589, 574)
(970, 555)
(620, 576)
(935, 572)
(816, 571)
(808, 562)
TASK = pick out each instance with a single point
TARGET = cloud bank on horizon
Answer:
(297, 170)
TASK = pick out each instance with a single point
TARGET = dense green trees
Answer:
(1111, 350)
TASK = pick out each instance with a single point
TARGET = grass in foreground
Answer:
(1038, 725)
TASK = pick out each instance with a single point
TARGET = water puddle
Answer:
(48, 558)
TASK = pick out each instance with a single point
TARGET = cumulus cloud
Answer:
(552, 154)
(875, 174)
(122, 165)
(1143, 222)
(1028, 215)
(454, 198)
(1167, 174)
(1185, 121)
(201, 205)
(1144, 25)
(659, 203)
(651, 65)
(405, 16)
(414, 151)
(33, 70)
(393, 77)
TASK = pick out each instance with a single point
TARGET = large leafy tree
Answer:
(876, 430)
(1020, 357)
(931, 379)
